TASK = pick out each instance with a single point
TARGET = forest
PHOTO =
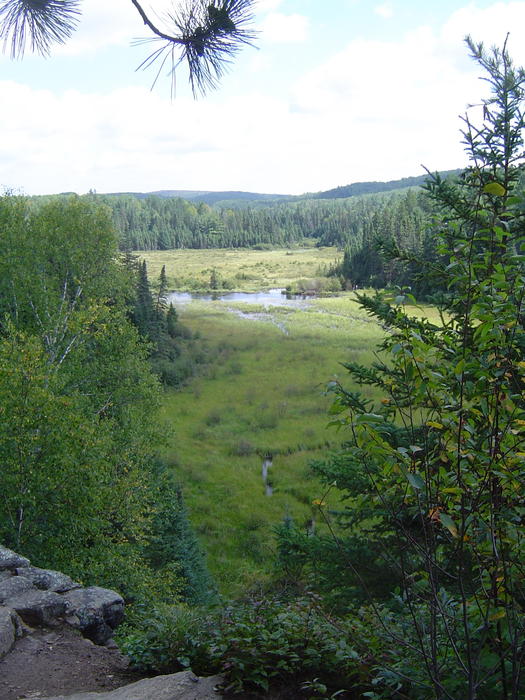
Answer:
(401, 574)
(362, 227)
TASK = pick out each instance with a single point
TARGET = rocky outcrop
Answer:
(11, 560)
(178, 686)
(45, 598)
(35, 659)
(9, 630)
(95, 612)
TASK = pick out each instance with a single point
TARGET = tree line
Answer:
(164, 223)
(415, 589)
(82, 488)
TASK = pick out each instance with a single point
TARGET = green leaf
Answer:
(435, 424)
(416, 481)
(369, 418)
(495, 188)
(447, 521)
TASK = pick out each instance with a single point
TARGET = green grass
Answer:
(264, 393)
(241, 269)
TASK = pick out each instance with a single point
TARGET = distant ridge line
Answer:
(358, 188)
(341, 192)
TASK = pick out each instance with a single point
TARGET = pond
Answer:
(270, 297)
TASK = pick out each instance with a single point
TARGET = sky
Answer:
(334, 92)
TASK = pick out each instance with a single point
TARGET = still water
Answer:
(271, 297)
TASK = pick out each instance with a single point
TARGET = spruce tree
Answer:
(144, 312)
(444, 449)
(171, 321)
(160, 303)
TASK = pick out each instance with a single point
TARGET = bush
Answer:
(170, 640)
(257, 644)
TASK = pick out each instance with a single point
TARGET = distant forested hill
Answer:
(163, 221)
(156, 223)
(359, 188)
(209, 197)
(242, 199)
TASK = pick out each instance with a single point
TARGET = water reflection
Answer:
(270, 297)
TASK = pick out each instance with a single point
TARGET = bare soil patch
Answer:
(54, 662)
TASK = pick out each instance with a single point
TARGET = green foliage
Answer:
(316, 286)
(450, 489)
(145, 314)
(394, 245)
(164, 223)
(169, 639)
(173, 541)
(258, 644)
(175, 355)
(79, 407)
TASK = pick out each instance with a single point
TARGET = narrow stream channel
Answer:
(267, 463)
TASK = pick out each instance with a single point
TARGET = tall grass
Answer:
(240, 269)
(264, 394)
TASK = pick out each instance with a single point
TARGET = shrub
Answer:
(257, 644)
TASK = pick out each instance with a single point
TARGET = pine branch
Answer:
(40, 23)
(206, 34)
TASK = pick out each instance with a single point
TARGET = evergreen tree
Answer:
(171, 321)
(160, 303)
(174, 542)
(144, 312)
(443, 450)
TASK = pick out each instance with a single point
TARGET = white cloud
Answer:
(102, 24)
(115, 23)
(268, 5)
(376, 110)
(379, 109)
(279, 28)
(386, 11)
(489, 25)
(133, 140)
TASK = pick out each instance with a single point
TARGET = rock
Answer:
(43, 597)
(11, 560)
(48, 580)
(38, 607)
(14, 586)
(8, 631)
(178, 686)
(95, 612)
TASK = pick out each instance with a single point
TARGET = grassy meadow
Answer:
(238, 268)
(263, 394)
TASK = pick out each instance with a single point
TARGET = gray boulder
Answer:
(9, 626)
(11, 560)
(95, 612)
(47, 579)
(178, 686)
(14, 586)
(38, 608)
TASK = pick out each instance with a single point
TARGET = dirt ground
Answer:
(48, 663)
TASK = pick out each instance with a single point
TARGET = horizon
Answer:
(266, 194)
(356, 93)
